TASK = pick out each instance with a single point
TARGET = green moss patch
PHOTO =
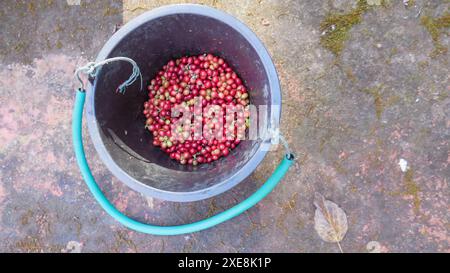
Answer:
(381, 103)
(412, 189)
(377, 100)
(335, 27)
(436, 26)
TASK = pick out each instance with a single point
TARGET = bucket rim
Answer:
(249, 166)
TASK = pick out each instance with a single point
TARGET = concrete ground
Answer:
(354, 104)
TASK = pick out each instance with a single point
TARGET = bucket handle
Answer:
(90, 69)
(263, 191)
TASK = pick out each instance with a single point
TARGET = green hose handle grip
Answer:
(262, 192)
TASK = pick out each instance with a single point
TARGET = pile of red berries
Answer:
(182, 82)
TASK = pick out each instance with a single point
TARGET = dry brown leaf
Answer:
(330, 221)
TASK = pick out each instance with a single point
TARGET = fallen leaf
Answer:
(330, 221)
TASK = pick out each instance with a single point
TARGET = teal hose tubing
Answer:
(262, 192)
